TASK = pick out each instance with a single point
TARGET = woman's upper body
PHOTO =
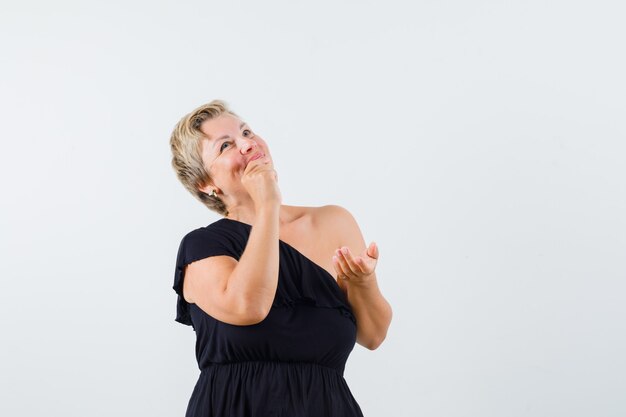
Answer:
(229, 167)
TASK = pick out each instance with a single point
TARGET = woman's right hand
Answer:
(261, 181)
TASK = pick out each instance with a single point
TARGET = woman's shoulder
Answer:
(341, 223)
(327, 209)
(332, 213)
(329, 214)
(331, 220)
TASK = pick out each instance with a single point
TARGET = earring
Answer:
(213, 193)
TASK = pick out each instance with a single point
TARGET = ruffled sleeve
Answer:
(195, 245)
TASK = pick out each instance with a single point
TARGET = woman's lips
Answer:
(257, 156)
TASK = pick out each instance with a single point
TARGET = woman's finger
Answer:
(342, 262)
(340, 272)
(352, 264)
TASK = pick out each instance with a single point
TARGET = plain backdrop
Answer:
(481, 144)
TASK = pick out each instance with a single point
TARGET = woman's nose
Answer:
(247, 144)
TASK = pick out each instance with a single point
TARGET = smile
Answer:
(255, 157)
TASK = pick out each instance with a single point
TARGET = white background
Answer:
(480, 144)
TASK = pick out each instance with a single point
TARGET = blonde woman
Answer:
(276, 305)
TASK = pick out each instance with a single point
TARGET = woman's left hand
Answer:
(356, 269)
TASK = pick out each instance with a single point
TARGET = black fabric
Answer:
(291, 363)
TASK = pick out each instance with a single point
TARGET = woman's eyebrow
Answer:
(227, 136)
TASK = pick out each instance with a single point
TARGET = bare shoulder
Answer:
(334, 222)
(332, 211)
(327, 218)
(341, 223)
(333, 214)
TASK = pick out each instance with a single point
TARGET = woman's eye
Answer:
(222, 146)
(244, 133)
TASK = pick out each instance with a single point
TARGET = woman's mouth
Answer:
(257, 156)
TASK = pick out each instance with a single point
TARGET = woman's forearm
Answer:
(255, 278)
(372, 311)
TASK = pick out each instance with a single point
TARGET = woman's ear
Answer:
(208, 188)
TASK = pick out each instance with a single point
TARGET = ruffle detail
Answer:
(183, 315)
(290, 303)
(195, 245)
(308, 283)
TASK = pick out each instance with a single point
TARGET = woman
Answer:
(276, 305)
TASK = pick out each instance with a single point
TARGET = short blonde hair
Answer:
(186, 145)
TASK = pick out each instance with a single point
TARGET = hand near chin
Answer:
(356, 269)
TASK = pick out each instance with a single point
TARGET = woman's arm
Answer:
(373, 313)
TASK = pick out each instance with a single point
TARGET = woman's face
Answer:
(230, 145)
